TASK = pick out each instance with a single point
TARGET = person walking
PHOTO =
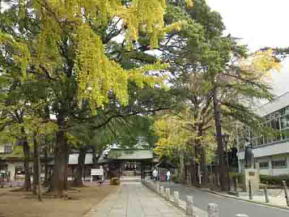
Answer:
(155, 174)
(168, 176)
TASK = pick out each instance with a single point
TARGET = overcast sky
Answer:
(260, 23)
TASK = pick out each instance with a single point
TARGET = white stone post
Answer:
(162, 190)
(213, 210)
(189, 206)
(176, 198)
(168, 193)
(241, 215)
(158, 187)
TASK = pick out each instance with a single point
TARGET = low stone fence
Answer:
(188, 205)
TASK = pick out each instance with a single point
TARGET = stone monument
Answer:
(251, 174)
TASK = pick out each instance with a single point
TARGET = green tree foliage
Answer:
(73, 62)
(202, 61)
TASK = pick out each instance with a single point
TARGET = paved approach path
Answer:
(133, 199)
(229, 207)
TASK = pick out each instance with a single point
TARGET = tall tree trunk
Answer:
(66, 165)
(46, 150)
(36, 169)
(223, 170)
(26, 151)
(35, 166)
(203, 164)
(182, 177)
(60, 160)
(46, 174)
(201, 155)
(80, 167)
(39, 194)
(193, 170)
(94, 158)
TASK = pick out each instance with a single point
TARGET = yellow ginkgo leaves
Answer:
(261, 64)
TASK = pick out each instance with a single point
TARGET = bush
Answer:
(114, 181)
(175, 179)
(274, 180)
(239, 176)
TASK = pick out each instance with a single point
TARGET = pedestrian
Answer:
(168, 176)
(155, 174)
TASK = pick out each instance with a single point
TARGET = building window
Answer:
(264, 165)
(7, 149)
(285, 134)
(285, 121)
(279, 164)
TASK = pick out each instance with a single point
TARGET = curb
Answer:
(238, 198)
(201, 212)
(171, 202)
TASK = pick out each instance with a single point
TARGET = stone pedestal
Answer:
(253, 176)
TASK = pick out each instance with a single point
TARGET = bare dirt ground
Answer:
(80, 201)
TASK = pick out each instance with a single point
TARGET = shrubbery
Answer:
(175, 179)
(274, 180)
(239, 176)
(114, 181)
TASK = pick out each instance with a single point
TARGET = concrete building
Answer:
(11, 163)
(271, 152)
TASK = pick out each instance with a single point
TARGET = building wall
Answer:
(270, 170)
(11, 166)
(1, 149)
(270, 148)
(5, 148)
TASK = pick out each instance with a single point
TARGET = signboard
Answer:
(96, 172)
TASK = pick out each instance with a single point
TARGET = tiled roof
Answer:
(130, 154)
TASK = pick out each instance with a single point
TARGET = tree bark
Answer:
(35, 166)
(66, 165)
(203, 164)
(36, 169)
(46, 150)
(26, 151)
(39, 193)
(182, 177)
(193, 170)
(223, 170)
(46, 174)
(58, 181)
(80, 167)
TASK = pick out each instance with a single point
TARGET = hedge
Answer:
(114, 181)
(239, 176)
(274, 180)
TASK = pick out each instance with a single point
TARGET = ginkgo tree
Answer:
(179, 139)
(63, 46)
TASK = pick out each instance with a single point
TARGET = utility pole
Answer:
(223, 170)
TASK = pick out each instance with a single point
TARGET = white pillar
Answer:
(176, 198)
(11, 169)
(158, 187)
(213, 210)
(189, 206)
(162, 190)
(168, 193)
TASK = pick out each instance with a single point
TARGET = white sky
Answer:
(259, 23)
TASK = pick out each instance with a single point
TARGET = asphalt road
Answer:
(229, 207)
